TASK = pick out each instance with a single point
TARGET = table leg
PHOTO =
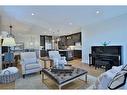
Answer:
(42, 77)
(44, 64)
(86, 77)
(59, 87)
(51, 63)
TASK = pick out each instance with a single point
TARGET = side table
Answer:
(45, 59)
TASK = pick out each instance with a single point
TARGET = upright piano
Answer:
(110, 54)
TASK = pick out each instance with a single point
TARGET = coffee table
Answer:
(62, 79)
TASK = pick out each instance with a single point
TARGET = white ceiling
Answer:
(57, 20)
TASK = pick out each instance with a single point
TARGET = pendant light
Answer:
(9, 40)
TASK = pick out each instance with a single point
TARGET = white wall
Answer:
(114, 30)
(27, 39)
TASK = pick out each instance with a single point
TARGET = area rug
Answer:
(34, 81)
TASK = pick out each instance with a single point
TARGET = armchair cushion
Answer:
(63, 61)
(57, 59)
(53, 54)
(32, 66)
(30, 60)
(63, 58)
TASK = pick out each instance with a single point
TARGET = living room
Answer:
(67, 31)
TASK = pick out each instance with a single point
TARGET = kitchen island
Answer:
(69, 54)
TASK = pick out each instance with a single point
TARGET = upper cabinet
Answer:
(69, 40)
(73, 38)
(65, 41)
(62, 43)
(76, 37)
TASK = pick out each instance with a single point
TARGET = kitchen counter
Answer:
(65, 50)
(69, 49)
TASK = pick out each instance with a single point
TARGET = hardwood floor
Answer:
(76, 63)
(91, 69)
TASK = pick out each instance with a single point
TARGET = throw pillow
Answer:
(118, 80)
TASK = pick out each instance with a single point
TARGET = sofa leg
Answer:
(40, 72)
(23, 76)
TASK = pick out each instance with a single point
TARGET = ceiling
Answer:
(55, 20)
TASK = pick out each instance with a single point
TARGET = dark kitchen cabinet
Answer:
(76, 37)
(70, 41)
(73, 38)
(77, 53)
(62, 43)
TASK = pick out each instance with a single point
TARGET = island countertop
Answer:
(64, 50)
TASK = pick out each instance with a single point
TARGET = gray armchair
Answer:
(56, 57)
(30, 63)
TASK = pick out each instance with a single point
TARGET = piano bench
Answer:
(103, 64)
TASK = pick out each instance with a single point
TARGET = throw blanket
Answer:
(104, 79)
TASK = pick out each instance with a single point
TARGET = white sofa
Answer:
(30, 63)
(112, 78)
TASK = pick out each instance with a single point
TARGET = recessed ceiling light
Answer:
(97, 12)
(32, 14)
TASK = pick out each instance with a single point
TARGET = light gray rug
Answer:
(34, 81)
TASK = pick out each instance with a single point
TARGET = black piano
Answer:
(110, 55)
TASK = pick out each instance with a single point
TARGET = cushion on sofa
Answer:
(118, 81)
(32, 66)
